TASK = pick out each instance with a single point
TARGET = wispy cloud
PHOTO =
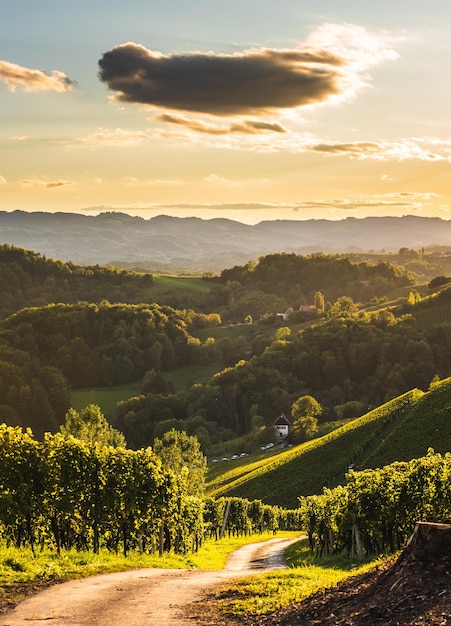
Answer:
(2, 180)
(17, 77)
(132, 180)
(45, 184)
(399, 202)
(266, 137)
(386, 150)
(112, 137)
(247, 127)
(330, 64)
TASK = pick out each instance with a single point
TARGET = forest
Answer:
(351, 341)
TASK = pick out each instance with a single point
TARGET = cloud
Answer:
(2, 180)
(248, 127)
(330, 64)
(44, 184)
(114, 137)
(15, 76)
(400, 203)
(384, 150)
(214, 179)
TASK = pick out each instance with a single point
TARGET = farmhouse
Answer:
(282, 426)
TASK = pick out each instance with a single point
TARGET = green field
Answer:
(182, 377)
(106, 397)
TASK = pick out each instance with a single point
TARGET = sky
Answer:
(249, 110)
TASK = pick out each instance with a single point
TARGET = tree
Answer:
(413, 297)
(182, 454)
(91, 426)
(343, 307)
(305, 411)
(318, 302)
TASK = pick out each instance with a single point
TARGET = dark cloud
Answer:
(248, 127)
(251, 82)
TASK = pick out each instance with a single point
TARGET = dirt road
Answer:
(144, 597)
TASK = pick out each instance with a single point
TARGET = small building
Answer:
(282, 426)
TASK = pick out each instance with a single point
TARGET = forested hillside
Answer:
(350, 360)
(29, 279)
(279, 281)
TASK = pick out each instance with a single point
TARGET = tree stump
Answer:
(429, 547)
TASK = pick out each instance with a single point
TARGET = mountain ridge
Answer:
(208, 245)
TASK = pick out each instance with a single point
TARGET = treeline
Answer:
(106, 344)
(44, 351)
(376, 511)
(288, 280)
(29, 279)
(348, 361)
(32, 393)
(63, 493)
(350, 364)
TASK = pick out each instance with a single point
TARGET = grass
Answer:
(187, 375)
(183, 283)
(104, 397)
(306, 574)
(21, 572)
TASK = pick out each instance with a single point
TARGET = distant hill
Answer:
(401, 429)
(208, 245)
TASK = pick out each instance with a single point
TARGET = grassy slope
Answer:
(105, 397)
(399, 430)
(309, 467)
(167, 284)
(426, 425)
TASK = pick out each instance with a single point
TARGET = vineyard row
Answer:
(64, 493)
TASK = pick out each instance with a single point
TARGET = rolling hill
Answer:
(401, 429)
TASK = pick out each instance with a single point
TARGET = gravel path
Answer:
(144, 597)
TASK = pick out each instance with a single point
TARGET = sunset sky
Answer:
(244, 109)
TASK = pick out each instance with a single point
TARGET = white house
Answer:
(282, 426)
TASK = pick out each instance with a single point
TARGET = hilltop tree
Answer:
(305, 411)
(91, 426)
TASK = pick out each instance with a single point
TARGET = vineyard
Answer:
(63, 493)
(376, 510)
(426, 425)
(321, 462)
(428, 319)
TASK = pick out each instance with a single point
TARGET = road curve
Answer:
(144, 597)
